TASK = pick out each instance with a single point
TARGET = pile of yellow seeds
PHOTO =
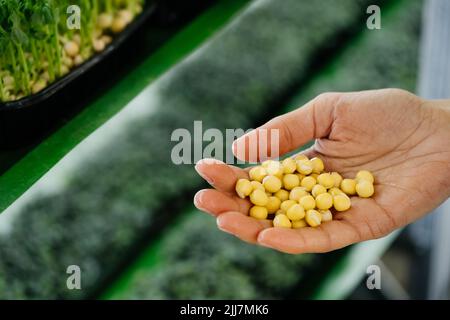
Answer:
(297, 193)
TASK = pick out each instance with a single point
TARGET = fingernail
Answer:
(202, 174)
(198, 199)
(261, 240)
(222, 227)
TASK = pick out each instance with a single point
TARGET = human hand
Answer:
(403, 140)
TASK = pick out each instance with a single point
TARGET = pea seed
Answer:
(259, 198)
(257, 173)
(274, 168)
(337, 179)
(299, 224)
(364, 188)
(279, 211)
(326, 215)
(290, 181)
(289, 165)
(282, 221)
(297, 193)
(300, 157)
(348, 186)
(271, 184)
(258, 212)
(304, 166)
(318, 166)
(364, 175)
(282, 194)
(308, 183)
(318, 189)
(257, 185)
(341, 202)
(307, 202)
(243, 188)
(296, 212)
(285, 205)
(314, 175)
(273, 204)
(326, 180)
(335, 191)
(324, 201)
(313, 218)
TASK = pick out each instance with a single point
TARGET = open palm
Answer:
(402, 139)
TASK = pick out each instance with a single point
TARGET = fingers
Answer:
(221, 176)
(328, 236)
(295, 128)
(244, 227)
(215, 202)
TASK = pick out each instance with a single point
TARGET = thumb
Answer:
(289, 131)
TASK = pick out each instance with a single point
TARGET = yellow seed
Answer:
(324, 201)
(307, 202)
(300, 176)
(364, 175)
(304, 166)
(326, 215)
(257, 185)
(285, 205)
(258, 212)
(348, 186)
(104, 20)
(279, 211)
(273, 204)
(71, 48)
(274, 168)
(281, 220)
(337, 179)
(335, 191)
(39, 86)
(318, 166)
(314, 175)
(299, 224)
(266, 163)
(268, 194)
(326, 180)
(259, 198)
(257, 173)
(341, 202)
(271, 184)
(290, 181)
(297, 193)
(118, 24)
(296, 212)
(282, 194)
(289, 165)
(318, 189)
(364, 188)
(308, 183)
(300, 157)
(125, 14)
(243, 188)
(313, 218)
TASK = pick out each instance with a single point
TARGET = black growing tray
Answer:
(26, 121)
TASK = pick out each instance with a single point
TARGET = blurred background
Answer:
(119, 208)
